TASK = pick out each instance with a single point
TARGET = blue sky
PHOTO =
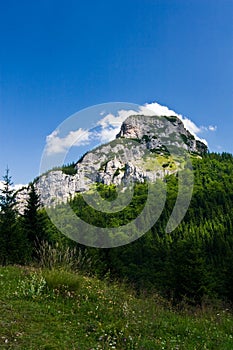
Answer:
(58, 57)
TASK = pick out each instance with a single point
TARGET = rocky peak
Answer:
(139, 153)
(156, 131)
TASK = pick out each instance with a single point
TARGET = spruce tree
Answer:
(33, 221)
(11, 240)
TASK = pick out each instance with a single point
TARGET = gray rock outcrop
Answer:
(146, 148)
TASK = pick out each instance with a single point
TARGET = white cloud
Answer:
(56, 144)
(155, 108)
(110, 125)
(212, 128)
(116, 120)
(108, 134)
(208, 128)
(1, 185)
(15, 187)
(193, 128)
(188, 124)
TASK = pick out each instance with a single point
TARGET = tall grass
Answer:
(57, 256)
(73, 311)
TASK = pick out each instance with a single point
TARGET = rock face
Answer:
(146, 148)
(157, 130)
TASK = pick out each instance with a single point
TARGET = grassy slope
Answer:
(100, 315)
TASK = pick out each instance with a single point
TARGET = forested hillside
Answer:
(195, 261)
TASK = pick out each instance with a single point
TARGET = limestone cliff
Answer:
(146, 148)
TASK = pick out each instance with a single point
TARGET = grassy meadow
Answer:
(60, 309)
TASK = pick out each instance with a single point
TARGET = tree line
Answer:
(194, 261)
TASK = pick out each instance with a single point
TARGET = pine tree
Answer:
(11, 240)
(33, 221)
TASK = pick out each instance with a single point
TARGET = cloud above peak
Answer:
(157, 109)
(109, 125)
(188, 123)
(57, 144)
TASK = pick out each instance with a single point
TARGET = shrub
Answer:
(32, 287)
(62, 282)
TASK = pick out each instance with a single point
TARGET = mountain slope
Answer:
(147, 148)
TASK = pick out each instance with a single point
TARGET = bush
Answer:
(32, 287)
(62, 282)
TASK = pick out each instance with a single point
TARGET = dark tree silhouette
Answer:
(33, 221)
(11, 240)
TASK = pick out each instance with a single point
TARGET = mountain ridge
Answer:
(146, 148)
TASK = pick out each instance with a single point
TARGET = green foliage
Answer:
(102, 315)
(69, 169)
(13, 245)
(163, 150)
(117, 172)
(184, 138)
(108, 193)
(191, 263)
(62, 282)
(31, 287)
(171, 119)
(33, 221)
(146, 138)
